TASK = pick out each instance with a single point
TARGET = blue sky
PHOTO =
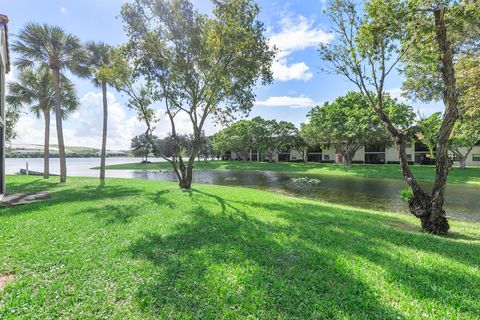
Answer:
(296, 27)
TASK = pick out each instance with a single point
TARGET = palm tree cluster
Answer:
(46, 55)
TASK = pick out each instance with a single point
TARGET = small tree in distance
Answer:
(142, 146)
(465, 135)
(428, 131)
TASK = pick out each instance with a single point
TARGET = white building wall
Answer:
(296, 155)
(359, 155)
(330, 152)
(391, 155)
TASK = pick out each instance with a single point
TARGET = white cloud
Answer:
(84, 127)
(423, 108)
(63, 10)
(296, 35)
(397, 94)
(285, 101)
(297, 71)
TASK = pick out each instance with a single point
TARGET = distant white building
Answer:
(374, 154)
(4, 68)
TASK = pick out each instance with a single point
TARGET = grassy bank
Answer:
(134, 249)
(426, 173)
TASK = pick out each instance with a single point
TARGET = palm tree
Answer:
(48, 45)
(35, 89)
(99, 53)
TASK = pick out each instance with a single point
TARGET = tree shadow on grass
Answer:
(113, 214)
(161, 198)
(226, 264)
(34, 185)
(67, 193)
(368, 235)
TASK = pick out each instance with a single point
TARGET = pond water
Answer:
(462, 201)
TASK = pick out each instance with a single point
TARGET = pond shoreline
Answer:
(364, 192)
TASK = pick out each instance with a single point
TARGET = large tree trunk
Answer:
(429, 208)
(58, 120)
(347, 161)
(433, 219)
(104, 133)
(420, 204)
(186, 174)
(462, 157)
(46, 145)
(450, 99)
(348, 153)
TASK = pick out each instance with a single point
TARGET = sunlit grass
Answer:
(134, 249)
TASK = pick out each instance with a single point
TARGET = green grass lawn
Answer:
(134, 249)
(426, 173)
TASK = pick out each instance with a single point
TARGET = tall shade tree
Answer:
(200, 65)
(272, 136)
(348, 123)
(35, 89)
(465, 135)
(37, 45)
(142, 146)
(373, 37)
(238, 137)
(99, 54)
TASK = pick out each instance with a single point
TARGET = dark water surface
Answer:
(462, 201)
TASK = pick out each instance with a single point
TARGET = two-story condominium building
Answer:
(370, 154)
(4, 68)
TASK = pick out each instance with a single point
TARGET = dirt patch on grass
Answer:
(404, 226)
(5, 279)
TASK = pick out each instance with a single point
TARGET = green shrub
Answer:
(406, 194)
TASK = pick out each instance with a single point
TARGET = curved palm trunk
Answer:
(58, 120)
(104, 135)
(46, 145)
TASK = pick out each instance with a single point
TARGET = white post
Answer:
(26, 171)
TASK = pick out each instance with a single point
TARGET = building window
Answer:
(421, 147)
(379, 147)
(476, 157)
(326, 157)
(409, 157)
(409, 145)
(315, 149)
